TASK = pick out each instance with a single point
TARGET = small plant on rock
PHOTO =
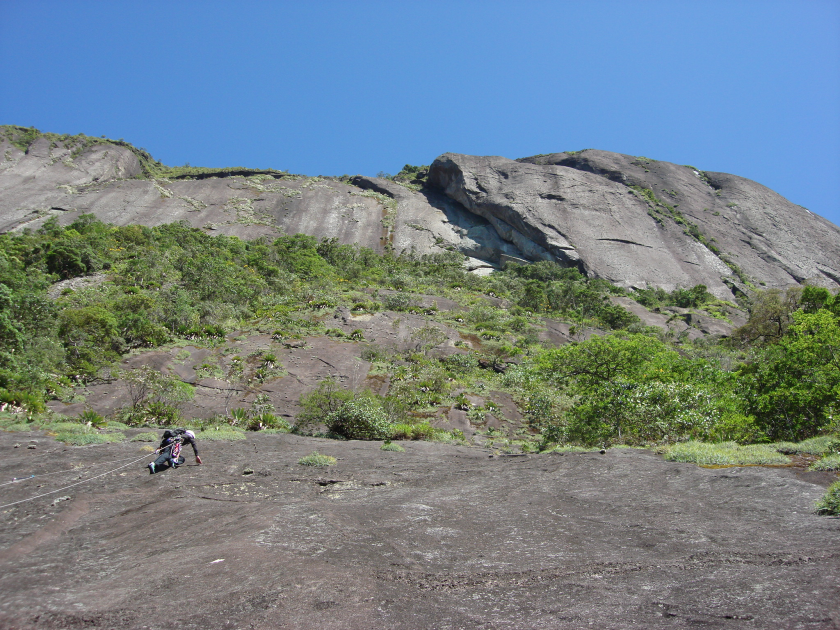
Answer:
(91, 418)
(145, 437)
(317, 460)
(829, 504)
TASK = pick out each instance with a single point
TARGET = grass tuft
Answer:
(145, 437)
(317, 460)
(86, 439)
(65, 427)
(220, 434)
(725, 454)
(828, 463)
(113, 426)
(814, 446)
(390, 446)
(18, 426)
(829, 504)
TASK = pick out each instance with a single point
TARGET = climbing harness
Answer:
(175, 450)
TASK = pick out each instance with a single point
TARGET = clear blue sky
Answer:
(745, 87)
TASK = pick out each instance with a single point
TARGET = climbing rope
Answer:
(38, 496)
(58, 472)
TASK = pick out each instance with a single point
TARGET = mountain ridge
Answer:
(634, 221)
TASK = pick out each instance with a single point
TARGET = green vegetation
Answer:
(390, 446)
(777, 379)
(412, 177)
(220, 434)
(360, 419)
(725, 454)
(829, 504)
(317, 460)
(75, 438)
(821, 445)
(23, 137)
(830, 463)
(146, 437)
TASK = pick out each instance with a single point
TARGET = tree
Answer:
(428, 337)
(602, 359)
(91, 338)
(793, 387)
(71, 259)
(320, 404)
(771, 312)
(155, 395)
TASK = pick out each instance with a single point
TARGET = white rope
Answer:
(58, 472)
(38, 496)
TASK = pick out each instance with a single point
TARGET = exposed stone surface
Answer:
(45, 181)
(580, 209)
(576, 208)
(435, 537)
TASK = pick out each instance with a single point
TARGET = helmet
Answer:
(190, 434)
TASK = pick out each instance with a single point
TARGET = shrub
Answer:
(89, 416)
(360, 419)
(830, 463)
(398, 302)
(829, 504)
(164, 414)
(402, 431)
(320, 404)
(736, 427)
(317, 460)
(267, 420)
(724, 454)
(422, 431)
(642, 412)
(460, 363)
(390, 446)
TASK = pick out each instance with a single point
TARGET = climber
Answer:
(170, 449)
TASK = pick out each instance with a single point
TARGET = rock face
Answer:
(634, 221)
(439, 536)
(47, 180)
(638, 222)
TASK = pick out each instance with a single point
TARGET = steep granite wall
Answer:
(634, 221)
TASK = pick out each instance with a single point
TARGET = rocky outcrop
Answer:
(634, 221)
(638, 222)
(49, 180)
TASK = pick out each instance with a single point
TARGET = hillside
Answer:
(632, 221)
(394, 434)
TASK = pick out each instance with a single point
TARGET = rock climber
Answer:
(170, 449)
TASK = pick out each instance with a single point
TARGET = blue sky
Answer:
(744, 87)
